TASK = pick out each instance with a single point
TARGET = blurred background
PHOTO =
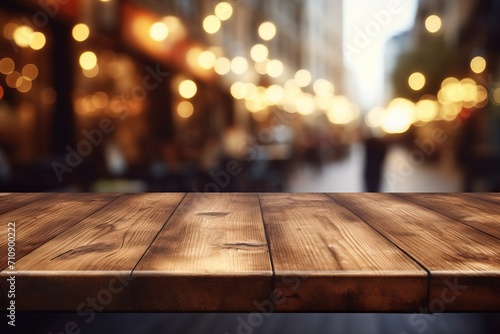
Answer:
(249, 95)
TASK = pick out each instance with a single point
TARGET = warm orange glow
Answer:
(224, 10)
(6, 66)
(323, 87)
(49, 95)
(185, 109)
(239, 90)
(426, 110)
(23, 84)
(211, 24)
(433, 24)
(239, 65)
(80, 32)
(275, 94)
(88, 60)
(303, 78)
(267, 31)
(92, 72)
(222, 66)
(22, 36)
(259, 52)
(37, 41)
(305, 104)
(275, 68)
(416, 81)
(158, 31)
(12, 79)
(187, 89)
(9, 29)
(478, 64)
(30, 71)
(206, 60)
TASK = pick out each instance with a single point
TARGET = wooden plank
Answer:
(489, 197)
(94, 258)
(13, 201)
(464, 263)
(327, 259)
(212, 255)
(37, 222)
(482, 215)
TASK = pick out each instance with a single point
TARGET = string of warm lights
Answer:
(453, 96)
(24, 37)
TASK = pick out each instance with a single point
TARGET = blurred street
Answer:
(346, 176)
(202, 95)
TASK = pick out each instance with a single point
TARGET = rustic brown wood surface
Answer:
(342, 263)
(94, 258)
(41, 220)
(212, 255)
(481, 215)
(463, 262)
(490, 197)
(10, 201)
(253, 252)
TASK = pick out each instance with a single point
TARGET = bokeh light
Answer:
(259, 52)
(211, 24)
(80, 32)
(224, 11)
(478, 64)
(323, 87)
(222, 66)
(6, 66)
(433, 23)
(275, 68)
(88, 60)
(37, 40)
(22, 36)
(206, 60)
(12, 78)
(185, 109)
(30, 71)
(416, 81)
(303, 78)
(187, 89)
(267, 31)
(158, 31)
(239, 65)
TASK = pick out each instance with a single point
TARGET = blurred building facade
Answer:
(168, 77)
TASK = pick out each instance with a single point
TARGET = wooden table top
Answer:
(228, 252)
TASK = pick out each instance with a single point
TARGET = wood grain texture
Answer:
(94, 258)
(212, 255)
(327, 259)
(11, 201)
(39, 221)
(481, 215)
(464, 263)
(489, 197)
